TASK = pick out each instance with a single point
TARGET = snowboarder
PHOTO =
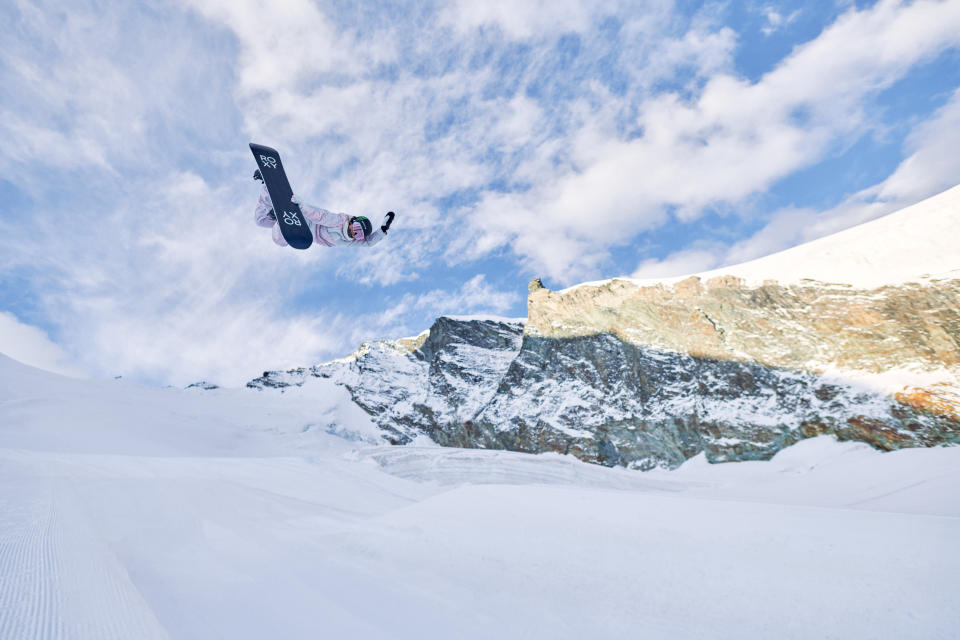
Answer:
(328, 228)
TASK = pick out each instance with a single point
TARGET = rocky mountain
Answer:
(647, 374)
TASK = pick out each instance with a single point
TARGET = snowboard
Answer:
(293, 225)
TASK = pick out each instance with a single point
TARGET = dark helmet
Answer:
(365, 225)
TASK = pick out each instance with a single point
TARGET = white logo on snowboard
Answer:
(268, 161)
(290, 217)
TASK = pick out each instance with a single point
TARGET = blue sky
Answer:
(568, 140)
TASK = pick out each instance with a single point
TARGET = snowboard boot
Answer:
(257, 176)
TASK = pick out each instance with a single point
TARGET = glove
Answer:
(294, 199)
(389, 221)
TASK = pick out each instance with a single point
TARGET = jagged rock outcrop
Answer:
(416, 386)
(618, 373)
(741, 372)
(204, 385)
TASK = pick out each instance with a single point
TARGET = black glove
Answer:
(390, 216)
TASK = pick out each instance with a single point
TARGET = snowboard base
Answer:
(293, 226)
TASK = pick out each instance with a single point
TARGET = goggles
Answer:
(356, 230)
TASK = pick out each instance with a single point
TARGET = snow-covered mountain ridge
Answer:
(652, 374)
(915, 244)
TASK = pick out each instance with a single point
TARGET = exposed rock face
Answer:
(617, 373)
(204, 385)
(416, 386)
(815, 327)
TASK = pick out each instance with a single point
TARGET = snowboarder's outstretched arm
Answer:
(372, 239)
(380, 233)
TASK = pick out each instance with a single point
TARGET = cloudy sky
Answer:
(566, 139)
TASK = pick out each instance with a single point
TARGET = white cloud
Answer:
(776, 20)
(282, 43)
(932, 163)
(34, 347)
(520, 19)
(678, 263)
(88, 90)
(476, 295)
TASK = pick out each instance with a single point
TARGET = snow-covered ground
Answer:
(133, 512)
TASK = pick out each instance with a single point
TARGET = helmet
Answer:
(361, 227)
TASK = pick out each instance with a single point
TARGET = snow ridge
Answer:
(915, 244)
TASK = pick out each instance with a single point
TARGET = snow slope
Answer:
(914, 244)
(132, 512)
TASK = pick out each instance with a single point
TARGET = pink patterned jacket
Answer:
(329, 229)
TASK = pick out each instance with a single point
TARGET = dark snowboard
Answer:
(293, 225)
